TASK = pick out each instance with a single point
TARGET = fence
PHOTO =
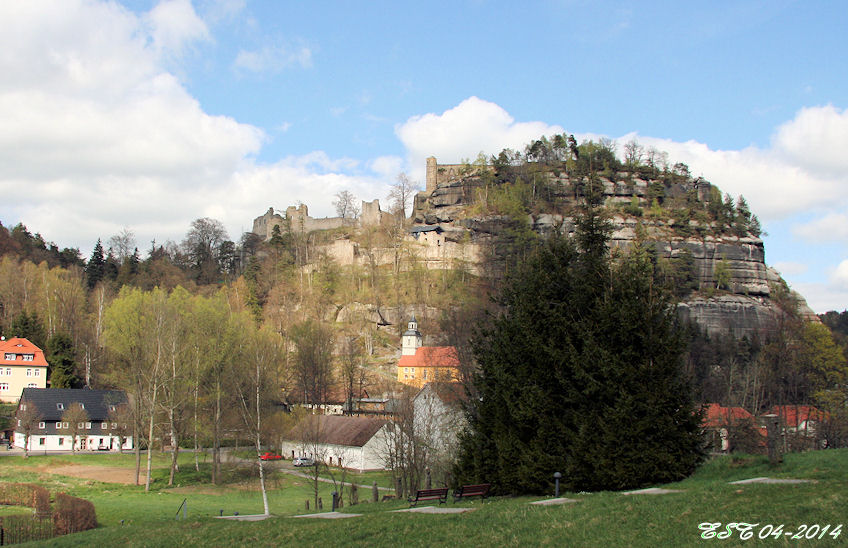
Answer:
(71, 514)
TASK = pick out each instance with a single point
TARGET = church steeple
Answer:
(411, 339)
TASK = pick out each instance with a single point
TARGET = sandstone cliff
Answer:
(731, 284)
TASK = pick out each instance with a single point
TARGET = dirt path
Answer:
(108, 474)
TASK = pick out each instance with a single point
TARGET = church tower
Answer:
(411, 339)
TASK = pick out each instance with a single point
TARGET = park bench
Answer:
(440, 494)
(465, 491)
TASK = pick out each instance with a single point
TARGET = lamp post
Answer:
(557, 476)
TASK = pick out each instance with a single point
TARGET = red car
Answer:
(270, 456)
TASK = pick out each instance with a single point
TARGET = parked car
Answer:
(270, 456)
(303, 461)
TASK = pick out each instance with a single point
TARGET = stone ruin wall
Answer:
(298, 219)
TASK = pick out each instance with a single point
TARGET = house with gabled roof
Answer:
(799, 418)
(22, 365)
(420, 364)
(101, 430)
(438, 415)
(357, 443)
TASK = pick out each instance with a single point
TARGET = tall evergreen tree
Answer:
(95, 269)
(62, 361)
(28, 326)
(581, 373)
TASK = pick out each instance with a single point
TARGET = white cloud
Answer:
(816, 140)
(789, 268)
(831, 227)
(839, 277)
(273, 59)
(464, 131)
(173, 25)
(387, 167)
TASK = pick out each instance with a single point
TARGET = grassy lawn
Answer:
(597, 519)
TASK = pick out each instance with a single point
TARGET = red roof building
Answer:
(419, 364)
(22, 365)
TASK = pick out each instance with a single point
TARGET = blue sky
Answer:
(148, 114)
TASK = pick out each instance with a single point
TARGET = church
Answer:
(420, 364)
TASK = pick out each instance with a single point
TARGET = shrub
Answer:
(73, 515)
(25, 494)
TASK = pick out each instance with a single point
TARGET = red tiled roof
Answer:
(793, 415)
(431, 356)
(715, 415)
(19, 345)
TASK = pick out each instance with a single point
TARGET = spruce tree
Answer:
(95, 269)
(581, 373)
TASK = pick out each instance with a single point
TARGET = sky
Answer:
(145, 115)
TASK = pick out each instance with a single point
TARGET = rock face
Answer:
(731, 282)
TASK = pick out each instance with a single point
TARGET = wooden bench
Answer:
(440, 494)
(465, 491)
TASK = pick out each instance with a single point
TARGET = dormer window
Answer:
(28, 357)
(60, 406)
(111, 408)
(9, 356)
(82, 405)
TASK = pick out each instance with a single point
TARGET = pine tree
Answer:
(581, 373)
(94, 270)
(62, 361)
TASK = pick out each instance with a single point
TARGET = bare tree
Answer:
(400, 196)
(123, 244)
(121, 417)
(28, 418)
(254, 389)
(633, 152)
(345, 204)
(75, 417)
(313, 360)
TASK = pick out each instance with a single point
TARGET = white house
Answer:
(22, 365)
(438, 416)
(45, 409)
(357, 443)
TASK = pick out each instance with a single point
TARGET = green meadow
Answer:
(128, 516)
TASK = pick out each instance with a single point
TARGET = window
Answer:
(8, 370)
(82, 405)
(58, 426)
(104, 426)
(114, 425)
(9, 356)
(60, 406)
(61, 441)
(28, 357)
(88, 426)
(80, 425)
(65, 425)
(4, 386)
(41, 441)
(23, 407)
(111, 408)
(32, 385)
(37, 372)
(29, 373)
(42, 425)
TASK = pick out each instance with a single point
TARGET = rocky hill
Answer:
(713, 243)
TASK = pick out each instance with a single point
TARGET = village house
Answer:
(101, 431)
(22, 365)
(356, 443)
(438, 415)
(730, 426)
(420, 364)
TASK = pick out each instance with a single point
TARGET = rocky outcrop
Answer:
(730, 280)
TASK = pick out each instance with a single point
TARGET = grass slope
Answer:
(598, 519)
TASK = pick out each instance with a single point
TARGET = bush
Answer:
(25, 494)
(73, 515)
(18, 529)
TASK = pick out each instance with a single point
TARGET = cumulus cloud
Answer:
(840, 275)
(473, 126)
(804, 169)
(173, 25)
